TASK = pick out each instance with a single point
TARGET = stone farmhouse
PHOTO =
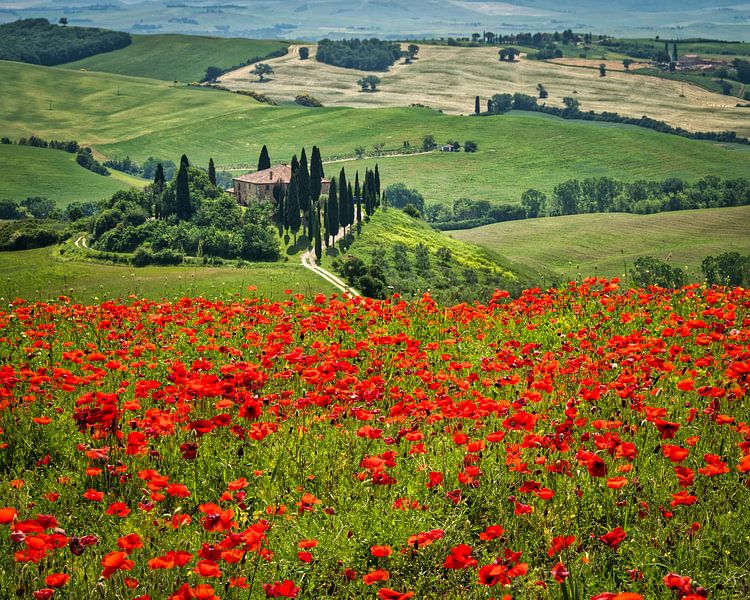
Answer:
(259, 185)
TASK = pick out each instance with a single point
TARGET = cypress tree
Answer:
(291, 206)
(358, 196)
(326, 232)
(489, 105)
(477, 108)
(264, 161)
(318, 241)
(333, 211)
(184, 159)
(343, 199)
(211, 171)
(303, 185)
(183, 209)
(350, 207)
(674, 52)
(316, 174)
(278, 196)
(159, 179)
(377, 181)
(295, 165)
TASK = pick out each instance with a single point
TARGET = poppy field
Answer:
(582, 443)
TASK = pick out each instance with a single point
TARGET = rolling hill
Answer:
(177, 57)
(27, 171)
(563, 248)
(516, 151)
(448, 78)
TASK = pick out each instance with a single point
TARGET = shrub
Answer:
(307, 100)
(399, 196)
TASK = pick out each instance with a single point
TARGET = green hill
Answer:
(604, 244)
(516, 151)
(177, 57)
(54, 174)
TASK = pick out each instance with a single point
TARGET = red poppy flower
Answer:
(389, 594)
(56, 580)
(459, 558)
(614, 538)
(375, 576)
(381, 551)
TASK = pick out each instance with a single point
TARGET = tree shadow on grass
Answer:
(302, 245)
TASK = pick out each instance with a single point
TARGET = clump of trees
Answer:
(365, 55)
(86, 159)
(39, 42)
(189, 216)
(369, 83)
(307, 100)
(262, 70)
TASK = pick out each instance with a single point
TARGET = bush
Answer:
(304, 53)
(26, 235)
(470, 146)
(412, 211)
(648, 271)
(307, 100)
(86, 159)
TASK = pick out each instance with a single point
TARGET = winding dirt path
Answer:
(309, 262)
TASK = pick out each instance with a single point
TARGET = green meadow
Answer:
(563, 248)
(45, 276)
(516, 151)
(54, 174)
(177, 57)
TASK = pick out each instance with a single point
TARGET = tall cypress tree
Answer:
(316, 174)
(333, 211)
(350, 207)
(358, 196)
(159, 179)
(183, 208)
(303, 185)
(291, 206)
(325, 223)
(316, 227)
(211, 171)
(295, 165)
(278, 196)
(264, 161)
(477, 108)
(343, 199)
(377, 181)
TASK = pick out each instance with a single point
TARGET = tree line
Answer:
(39, 42)
(571, 197)
(728, 268)
(502, 103)
(366, 55)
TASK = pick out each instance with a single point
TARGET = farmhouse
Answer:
(259, 185)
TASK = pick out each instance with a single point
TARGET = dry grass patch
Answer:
(448, 78)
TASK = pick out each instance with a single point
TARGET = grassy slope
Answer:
(43, 276)
(449, 78)
(180, 57)
(391, 226)
(601, 244)
(26, 171)
(516, 151)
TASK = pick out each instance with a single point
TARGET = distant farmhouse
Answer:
(694, 62)
(259, 185)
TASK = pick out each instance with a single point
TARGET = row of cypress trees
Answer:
(321, 217)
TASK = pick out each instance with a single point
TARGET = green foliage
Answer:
(364, 55)
(86, 159)
(39, 207)
(38, 42)
(25, 235)
(264, 160)
(399, 196)
(648, 271)
(304, 53)
(728, 268)
(470, 146)
(212, 74)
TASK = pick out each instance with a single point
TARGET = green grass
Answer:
(391, 226)
(177, 57)
(40, 274)
(516, 151)
(27, 171)
(603, 244)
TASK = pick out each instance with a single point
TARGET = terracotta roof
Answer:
(270, 176)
